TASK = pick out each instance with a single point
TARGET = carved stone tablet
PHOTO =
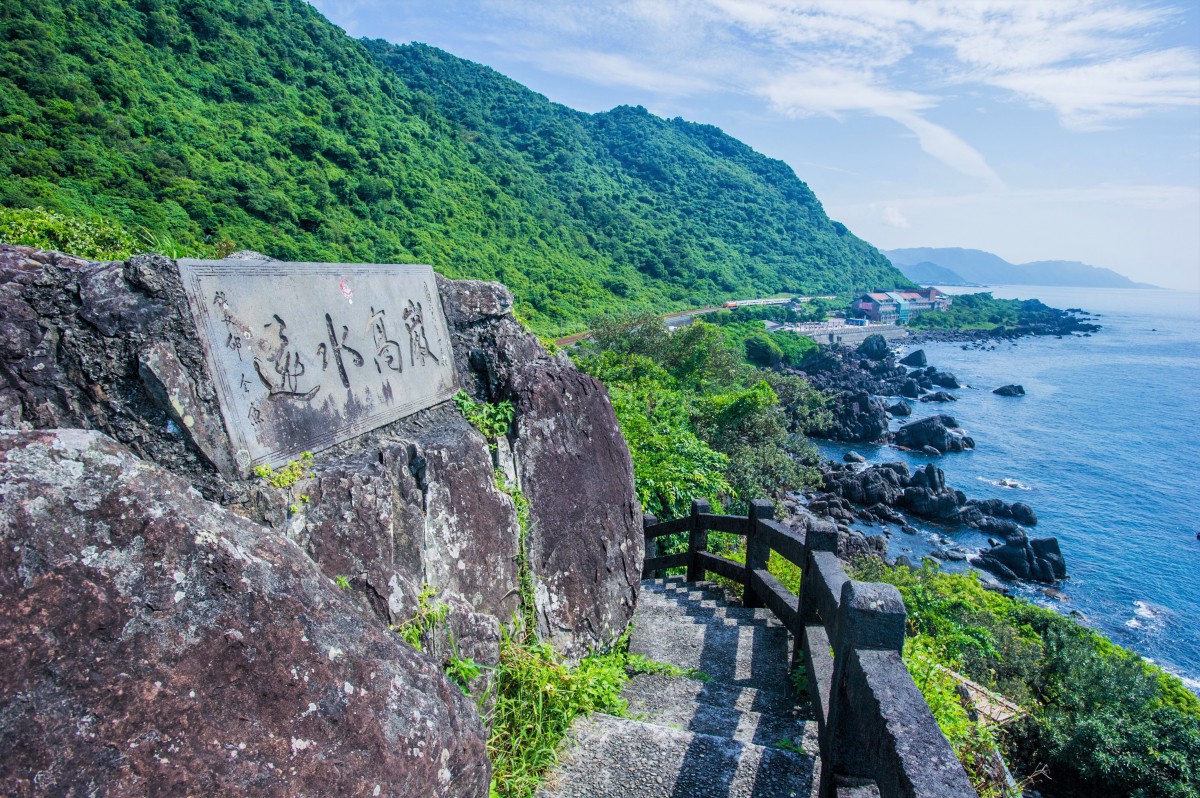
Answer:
(306, 355)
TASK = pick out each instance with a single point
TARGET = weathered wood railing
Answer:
(873, 723)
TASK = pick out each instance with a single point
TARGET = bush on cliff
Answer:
(1101, 721)
(699, 421)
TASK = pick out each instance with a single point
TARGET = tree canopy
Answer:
(260, 125)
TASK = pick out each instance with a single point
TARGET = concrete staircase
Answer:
(741, 734)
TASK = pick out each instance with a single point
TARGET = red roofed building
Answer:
(897, 307)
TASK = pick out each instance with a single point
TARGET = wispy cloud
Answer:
(1093, 62)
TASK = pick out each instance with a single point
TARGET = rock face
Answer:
(156, 643)
(111, 346)
(941, 432)
(915, 359)
(1010, 390)
(414, 504)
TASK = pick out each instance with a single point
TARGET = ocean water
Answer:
(1106, 449)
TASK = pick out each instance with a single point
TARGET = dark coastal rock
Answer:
(1017, 511)
(941, 432)
(877, 494)
(157, 643)
(944, 379)
(910, 389)
(1038, 560)
(874, 347)
(900, 410)
(886, 513)
(857, 417)
(1010, 390)
(939, 396)
(853, 544)
(1005, 528)
(853, 457)
(915, 359)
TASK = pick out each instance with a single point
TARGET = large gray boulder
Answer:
(111, 346)
(156, 643)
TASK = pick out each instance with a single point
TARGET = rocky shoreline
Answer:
(1068, 322)
(862, 380)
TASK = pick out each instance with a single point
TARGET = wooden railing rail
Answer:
(874, 727)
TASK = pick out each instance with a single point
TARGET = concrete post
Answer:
(871, 616)
(821, 536)
(697, 540)
(649, 520)
(757, 550)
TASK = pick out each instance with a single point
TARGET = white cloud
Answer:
(1095, 95)
(1093, 62)
(826, 91)
(892, 217)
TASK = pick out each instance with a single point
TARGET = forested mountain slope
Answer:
(261, 124)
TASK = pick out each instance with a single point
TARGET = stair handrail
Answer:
(873, 725)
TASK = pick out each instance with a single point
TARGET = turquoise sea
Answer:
(1106, 449)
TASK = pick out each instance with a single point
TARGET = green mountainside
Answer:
(259, 124)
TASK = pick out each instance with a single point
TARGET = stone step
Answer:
(676, 586)
(607, 757)
(744, 714)
(744, 655)
(701, 611)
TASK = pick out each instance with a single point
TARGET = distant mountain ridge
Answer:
(956, 266)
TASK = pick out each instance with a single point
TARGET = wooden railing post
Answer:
(871, 616)
(757, 550)
(697, 540)
(649, 520)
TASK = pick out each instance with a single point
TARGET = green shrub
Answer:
(699, 422)
(491, 420)
(38, 227)
(1101, 721)
(537, 698)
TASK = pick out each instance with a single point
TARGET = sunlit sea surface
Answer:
(1105, 446)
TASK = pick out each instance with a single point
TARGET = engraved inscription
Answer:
(299, 366)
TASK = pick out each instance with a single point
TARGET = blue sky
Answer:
(1035, 129)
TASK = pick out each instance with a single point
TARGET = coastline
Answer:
(1100, 448)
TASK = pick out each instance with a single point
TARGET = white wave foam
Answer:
(1006, 482)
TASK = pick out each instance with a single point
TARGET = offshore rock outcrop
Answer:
(110, 347)
(940, 432)
(878, 492)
